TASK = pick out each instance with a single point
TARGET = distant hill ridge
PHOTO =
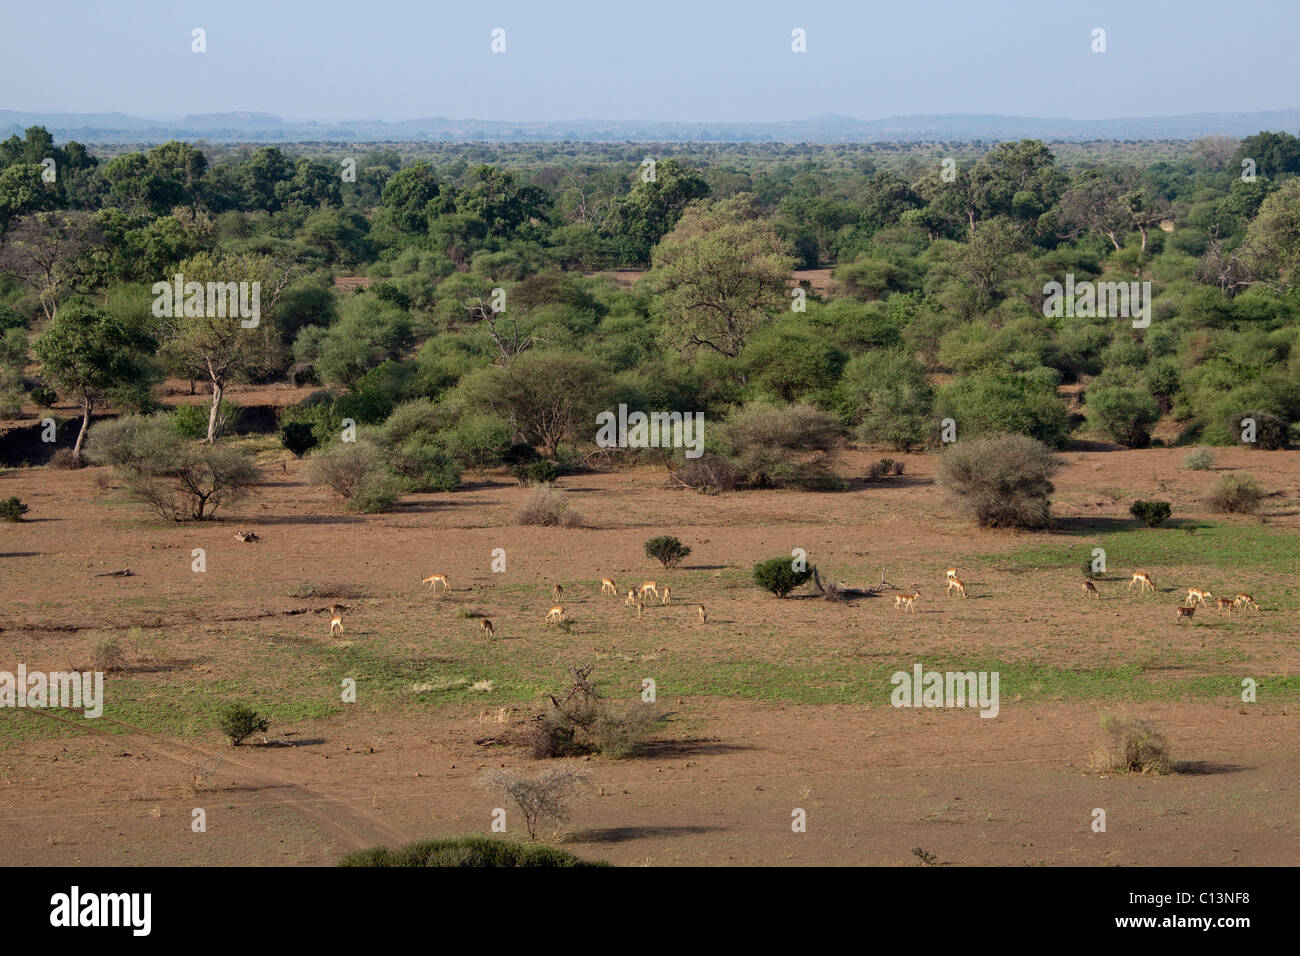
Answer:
(827, 128)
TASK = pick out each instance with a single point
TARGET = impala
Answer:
(668, 595)
(1090, 590)
(1224, 604)
(336, 619)
(907, 600)
(631, 597)
(646, 587)
(1245, 600)
(640, 606)
(1143, 580)
(952, 573)
(557, 592)
(436, 579)
(486, 627)
(1184, 612)
(555, 614)
(704, 615)
(1197, 596)
(956, 583)
(607, 586)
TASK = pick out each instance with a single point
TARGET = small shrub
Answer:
(1131, 745)
(547, 506)
(884, 469)
(1271, 432)
(191, 421)
(779, 576)
(106, 655)
(582, 723)
(780, 446)
(423, 465)
(66, 459)
(469, 851)
(548, 796)
(543, 471)
(708, 474)
(12, 509)
(1151, 513)
(1236, 494)
(667, 550)
(1002, 479)
(298, 437)
(239, 722)
(1200, 460)
(44, 396)
(357, 472)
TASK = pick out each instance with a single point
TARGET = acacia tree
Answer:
(219, 347)
(50, 252)
(721, 273)
(87, 353)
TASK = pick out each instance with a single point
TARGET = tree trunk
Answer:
(213, 421)
(87, 407)
(1144, 238)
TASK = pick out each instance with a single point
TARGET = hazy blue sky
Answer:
(657, 59)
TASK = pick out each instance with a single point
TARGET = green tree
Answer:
(721, 274)
(86, 353)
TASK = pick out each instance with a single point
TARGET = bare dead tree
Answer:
(1226, 269)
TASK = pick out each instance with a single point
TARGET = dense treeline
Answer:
(485, 330)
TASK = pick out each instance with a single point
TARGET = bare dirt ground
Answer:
(772, 706)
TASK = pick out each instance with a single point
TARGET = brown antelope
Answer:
(1090, 590)
(1197, 596)
(247, 536)
(631, 597)
(336, 619)
(648, 586)
(1245, 600)
(668, 595)
(704, 615)
(640, 606)
(1143, 580)
(1223, 604)
(1184, 612)
(486, 627)
(436, 579)
(557, 592)
(607, 586)
(907, 600)
(956, 583)
(555, 614)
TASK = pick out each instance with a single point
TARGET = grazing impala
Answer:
(956, 583)
(668, 595)
(648, 586)
(1090, 590)
(1245, 600)
(436, 579)
(907, 600)
(1224, 604)
(557, 592)
(555, 614)
(336, 619)
(640, 606)
(704, 615)
(1197, 596)
(631, 597)
(486, 627)
(1184, 612)
(607, 586)
(1143, 580)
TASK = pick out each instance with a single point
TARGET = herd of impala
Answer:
(904, 600)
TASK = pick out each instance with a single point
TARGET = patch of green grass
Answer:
(1217, 545)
